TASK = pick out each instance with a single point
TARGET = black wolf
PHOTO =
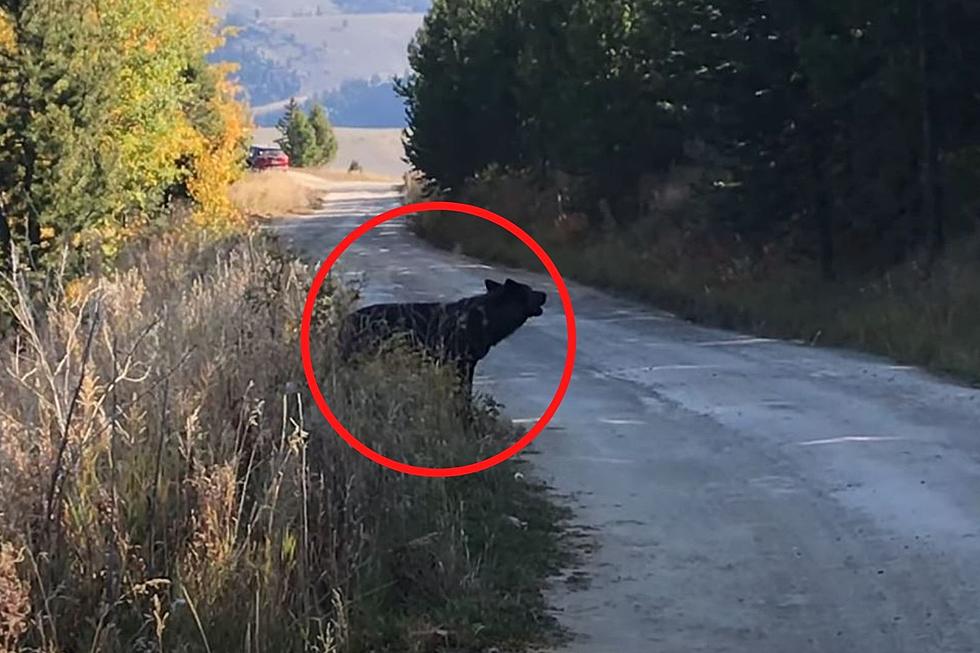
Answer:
(459, 333)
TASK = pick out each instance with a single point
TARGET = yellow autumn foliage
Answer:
(172, 123)
(219, 160)
(7, 38)
(154, 129)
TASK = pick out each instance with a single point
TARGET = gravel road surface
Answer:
(747, 494)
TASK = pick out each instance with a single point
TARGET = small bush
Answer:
(415, 188)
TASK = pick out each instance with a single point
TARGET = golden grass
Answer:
(274, 192)
(922, 322)
(166, 483)
(333, 174)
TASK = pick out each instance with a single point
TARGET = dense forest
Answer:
(840, 133)
(379, 6)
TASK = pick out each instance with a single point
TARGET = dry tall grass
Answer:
(166, 485)
(923, 322)
(353, 173)
(273, 193)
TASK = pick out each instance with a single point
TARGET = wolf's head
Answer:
(515, 300)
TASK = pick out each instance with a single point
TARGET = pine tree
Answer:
(298, 139)
(53, 159)
(326, 141)
(461, 98)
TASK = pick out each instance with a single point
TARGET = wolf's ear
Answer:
(510, 283)
(491, 285)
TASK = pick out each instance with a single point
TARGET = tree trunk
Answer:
(929, 174)
(29, 161)
(6, 255)
(33, 226)
(822, 210)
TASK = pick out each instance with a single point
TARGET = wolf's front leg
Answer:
(469, 372)
(466, 371)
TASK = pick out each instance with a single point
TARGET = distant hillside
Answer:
(379, 6)
(344, 59)
(365, 103)
(264, 79)
(327, 50)
(267, 8)
(357, 103)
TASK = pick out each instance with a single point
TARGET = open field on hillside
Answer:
(326, 50)
(379, 151)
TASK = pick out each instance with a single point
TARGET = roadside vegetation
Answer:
(268, 193)
(796, 170)
(165, 483)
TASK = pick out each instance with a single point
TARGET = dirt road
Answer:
(748, 495)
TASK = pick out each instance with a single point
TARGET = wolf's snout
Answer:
(537, 303)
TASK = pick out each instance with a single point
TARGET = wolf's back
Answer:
(368, 327)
